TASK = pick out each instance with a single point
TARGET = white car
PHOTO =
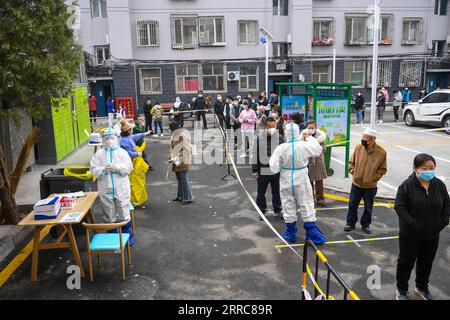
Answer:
(433, 110)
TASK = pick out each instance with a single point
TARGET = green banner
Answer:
(332, 118)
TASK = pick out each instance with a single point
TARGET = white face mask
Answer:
(271, 131)
(312, 131)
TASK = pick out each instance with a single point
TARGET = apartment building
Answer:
(169, 48)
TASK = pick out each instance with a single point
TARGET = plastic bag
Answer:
(82, 173)
(138, 181)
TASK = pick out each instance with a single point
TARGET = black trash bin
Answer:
(54, 181)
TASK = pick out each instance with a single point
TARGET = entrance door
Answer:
(437, 80)
(103, 90)
(274, 79)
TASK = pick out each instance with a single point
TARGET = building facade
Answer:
(169, 48)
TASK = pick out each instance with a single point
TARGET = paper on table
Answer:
(79, 194)
(71, 217)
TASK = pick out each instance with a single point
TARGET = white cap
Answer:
(370, 132)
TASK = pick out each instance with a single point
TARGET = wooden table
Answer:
(83, 205)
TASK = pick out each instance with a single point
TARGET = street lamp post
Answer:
(265, 40)
(376, 24)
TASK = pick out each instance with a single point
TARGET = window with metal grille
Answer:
(184, 32)
(385, 31)
(150, 81)
(437, 48)
(147, 33)
(101, 53)
(321, 73)
(249, 78)
(440, 7)
(188, 78)
(323, 32)
(281, 49)
(211, 31)
(280, 7)
(354, 72)
(248, 32)
(213, 77)
(411, 31)
(410, 73)
(98, 9)
(384, 73)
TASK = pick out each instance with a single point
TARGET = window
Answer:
(411, 31)
(384, 34)
(281, 49)
(321, 73)
(437, 97)
(384, 73)
(188, 80)
(410, 73)
(101, 54)
(359, 29)
(211, 31)
(98, 9)
(147, 33)
(249, 78)
(437, 48)
(280, 7)
(213, 77)
(354, 72)
(323, 32)
(184, 32)
(248, 31)
(150, 80)
(440, 7)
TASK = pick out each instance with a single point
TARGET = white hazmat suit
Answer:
(112, 165)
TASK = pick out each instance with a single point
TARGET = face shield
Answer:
(110, 141)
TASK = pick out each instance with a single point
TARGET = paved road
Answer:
(217, 248)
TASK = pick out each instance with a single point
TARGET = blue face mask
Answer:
(427, 175)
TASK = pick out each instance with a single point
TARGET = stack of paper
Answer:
(47, 208)
(94, 138)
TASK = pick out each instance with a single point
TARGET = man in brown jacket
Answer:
(367, 164)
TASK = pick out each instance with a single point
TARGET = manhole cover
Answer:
(133, 288)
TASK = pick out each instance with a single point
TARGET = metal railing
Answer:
(320, 257)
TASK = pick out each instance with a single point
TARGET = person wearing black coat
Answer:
(147, 113)
(200, 104)
(228, 107)
(381, 104)
(359, 108)
(219, 107)
(423, 207)
(266, 142)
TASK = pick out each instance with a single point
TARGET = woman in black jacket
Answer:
(423, 207)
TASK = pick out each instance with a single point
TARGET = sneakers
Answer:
(381, 121)
(366, 230)
(425, 295)
(348, 228)
(279, 215)
(401, 295)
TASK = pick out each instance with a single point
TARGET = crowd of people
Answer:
(288, 155)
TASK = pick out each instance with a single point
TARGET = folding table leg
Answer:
(73, 245)
(35, 257)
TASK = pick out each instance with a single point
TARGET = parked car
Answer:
(432, 110)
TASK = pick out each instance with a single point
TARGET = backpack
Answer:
(158, 114)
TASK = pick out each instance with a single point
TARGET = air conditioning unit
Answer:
(233, 76)
(448, 39)
(289, 38)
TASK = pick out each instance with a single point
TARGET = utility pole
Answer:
(376, 25)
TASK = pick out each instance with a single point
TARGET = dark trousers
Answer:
(263, 182)
(356, 194)
(184, 187)
(221, 120)
(160, 125)
(179, 119)
(421, 253)
(203, 115)
(148, 122)
(396, 112)
(93, 115)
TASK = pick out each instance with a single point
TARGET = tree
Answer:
(39, 59)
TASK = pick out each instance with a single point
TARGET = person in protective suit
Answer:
(111, 165)
(291, 160)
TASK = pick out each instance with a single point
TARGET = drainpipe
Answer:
(136, 99)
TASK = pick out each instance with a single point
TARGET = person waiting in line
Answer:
(247, 118)
(219, 107)
(262, 118)
(200, 106)
(381, 104)
(110, 108)
(396, 103)
(92, 108)
(227, 111)
(276, 114)
(423, 207)
(316, 167)
(157, 114)
(121, 110)
(359, 107)
(423, 93)
(140, 128)
(177, 112)
(180, 159)
(385, 94)
(234, 119)
(128, 139)
(299, 119)
(406, 94)
(266, 142)
(252, 101)
(148, 115)
(264, 102)
(273, 101)
(368, 164)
